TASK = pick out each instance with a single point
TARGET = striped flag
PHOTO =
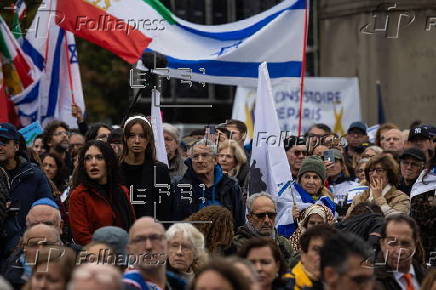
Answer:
(224, 54)
(20, 75)
(425, 182)
(54, 52)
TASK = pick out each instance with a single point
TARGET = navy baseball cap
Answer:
(8, 131)
(357, 125)
(419, 132)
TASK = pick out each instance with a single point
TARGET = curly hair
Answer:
(49, 130)
(218, 233)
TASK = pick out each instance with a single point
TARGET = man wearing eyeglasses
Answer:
(402, 262)
(56, 139)
(204, 184)
(261, 217)
(412, 162)
(296, 151)
(148, 251)
(37, 239)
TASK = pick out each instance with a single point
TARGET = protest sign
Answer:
(30, 132)
(333, 101)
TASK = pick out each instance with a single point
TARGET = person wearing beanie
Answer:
(176, 161)
(310, 183)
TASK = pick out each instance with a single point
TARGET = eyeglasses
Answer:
(377, 170)
(62, 133)
(262, 215)
(197, 156)
(411, 164)
(155, 238)
(300, 153)
(34, 244)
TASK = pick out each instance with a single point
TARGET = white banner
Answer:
(332, 101)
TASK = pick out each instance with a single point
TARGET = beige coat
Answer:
(394, 201)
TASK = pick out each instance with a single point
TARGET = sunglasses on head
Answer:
(262, 215)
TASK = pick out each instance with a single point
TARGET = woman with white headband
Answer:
(142, 172)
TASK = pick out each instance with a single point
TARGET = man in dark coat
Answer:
(27, 183)
(204, 184)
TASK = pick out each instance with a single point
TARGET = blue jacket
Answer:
(224, 192)
(27, 186)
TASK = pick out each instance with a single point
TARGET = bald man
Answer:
(392, 140)
(148, 250)
(37, 239)
(44, 214)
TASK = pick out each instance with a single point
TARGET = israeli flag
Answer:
(295, 195)
(425, 182)
(230, 54)
(54, 52)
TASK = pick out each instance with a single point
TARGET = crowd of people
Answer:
(93, 208)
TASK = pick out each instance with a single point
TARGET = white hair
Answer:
(190, 233)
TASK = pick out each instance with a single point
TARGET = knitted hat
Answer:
(313, 164)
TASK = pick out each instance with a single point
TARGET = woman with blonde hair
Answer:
(231, 158)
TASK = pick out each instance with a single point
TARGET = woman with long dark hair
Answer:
(98, 199)
(147, 178)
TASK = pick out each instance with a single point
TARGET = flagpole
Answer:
(303, 67)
